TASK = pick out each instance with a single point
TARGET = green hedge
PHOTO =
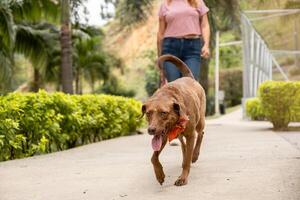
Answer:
(36, 123)
(254, 109)
(280, 103)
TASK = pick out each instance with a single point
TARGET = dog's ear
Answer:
(178, 110)
(143, 111)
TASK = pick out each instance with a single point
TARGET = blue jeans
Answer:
(188, 50)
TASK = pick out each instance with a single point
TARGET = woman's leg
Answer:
(191, 56)
(194, 65)
(171, 46)
(171, 71)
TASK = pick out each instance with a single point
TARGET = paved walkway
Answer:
(239, 161)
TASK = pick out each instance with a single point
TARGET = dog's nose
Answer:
(151, 130)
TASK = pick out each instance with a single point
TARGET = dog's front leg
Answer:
(183, 148)
(183, 178)
(158, 169)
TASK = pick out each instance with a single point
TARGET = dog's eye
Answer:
(163, 114)
(148, 114)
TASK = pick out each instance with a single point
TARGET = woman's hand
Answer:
(205, 52)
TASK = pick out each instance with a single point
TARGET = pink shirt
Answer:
(181, 18)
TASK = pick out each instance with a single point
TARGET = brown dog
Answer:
(177, 107)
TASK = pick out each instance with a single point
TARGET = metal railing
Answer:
(258, 60)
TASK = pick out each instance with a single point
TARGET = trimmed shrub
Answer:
(40, 123)
(254, 109)
(280, 102)
(295, 110)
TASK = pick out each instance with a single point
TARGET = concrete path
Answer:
(239, 161)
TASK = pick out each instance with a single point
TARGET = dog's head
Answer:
(162, 115)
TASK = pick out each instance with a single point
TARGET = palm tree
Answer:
(36, 43)
(66, 48)
(17, 34)
(7, 39)
(90, 61)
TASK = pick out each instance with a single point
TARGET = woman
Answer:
(183, 32)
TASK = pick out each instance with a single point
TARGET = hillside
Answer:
(131, 46)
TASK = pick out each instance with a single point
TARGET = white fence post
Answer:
(217, 110)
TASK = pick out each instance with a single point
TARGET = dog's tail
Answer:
(183, 68)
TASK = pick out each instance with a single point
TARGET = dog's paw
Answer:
(160, 176)
(181, 181)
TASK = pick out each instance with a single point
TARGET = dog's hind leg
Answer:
(158, 169)
(200, 132)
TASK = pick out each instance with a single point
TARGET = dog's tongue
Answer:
(156, 142)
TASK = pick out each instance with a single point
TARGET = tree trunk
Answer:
(92, 84)
(204, 74)
(78, 81)
(35, 86)
(66, 49)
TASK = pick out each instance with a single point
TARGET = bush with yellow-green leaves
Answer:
(278, 102)
(254, 109)
(37, 123)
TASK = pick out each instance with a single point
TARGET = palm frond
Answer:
(32, 44)
(37, 10)
(79, 34)
(7, 32)
(292, 5)
(96, 67)
(5, 71)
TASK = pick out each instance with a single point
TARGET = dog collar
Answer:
(178, 129)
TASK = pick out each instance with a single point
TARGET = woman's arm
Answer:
(206, 36)
(160, 34)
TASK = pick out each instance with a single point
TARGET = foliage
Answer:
(114, 87)
(23, 30)
(152, 80)
(280, 102)
(151, 74)
(128, 12)
(230, 57)
(18, 34)
(40, 123)
(224, 15)
(90, 61)
(231, 83)
(254, 109)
